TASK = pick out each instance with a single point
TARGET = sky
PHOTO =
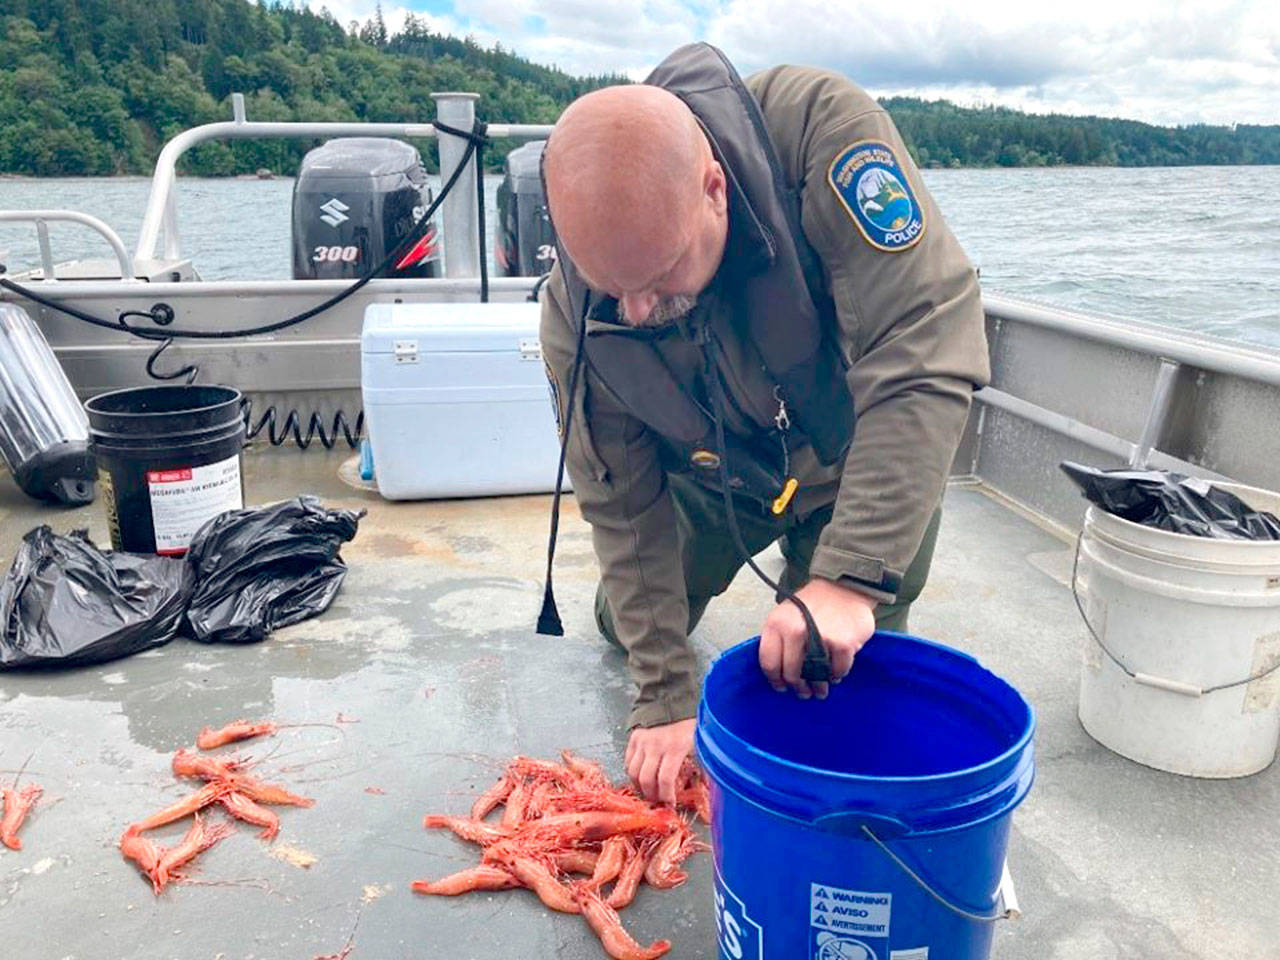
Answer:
(1162, 61)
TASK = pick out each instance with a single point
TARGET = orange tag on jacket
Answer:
(784, 498)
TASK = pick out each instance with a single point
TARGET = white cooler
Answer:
(456, 402)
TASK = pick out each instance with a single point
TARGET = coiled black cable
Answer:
(340, 428)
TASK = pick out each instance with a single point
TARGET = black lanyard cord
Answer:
(817, 662)
(549, 624)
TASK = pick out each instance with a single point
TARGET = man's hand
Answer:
(654, 756)
(845, 618)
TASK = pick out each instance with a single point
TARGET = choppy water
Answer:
(1191, 247)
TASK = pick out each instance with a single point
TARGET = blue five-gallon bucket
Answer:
(871, 825)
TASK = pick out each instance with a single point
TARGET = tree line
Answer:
(941, 134)
(95, 87)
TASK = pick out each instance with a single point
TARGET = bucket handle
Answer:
(1006, 901)
(1146, 679)
(853, 821)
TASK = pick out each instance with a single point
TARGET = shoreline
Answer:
(124, 177)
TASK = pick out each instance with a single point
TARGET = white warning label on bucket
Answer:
(182, 500)
(849, 911)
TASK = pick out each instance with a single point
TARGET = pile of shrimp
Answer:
(565, 819)
(226, 785)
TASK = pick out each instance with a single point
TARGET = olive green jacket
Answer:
(911, 328)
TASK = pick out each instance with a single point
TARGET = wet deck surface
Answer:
(430, 654)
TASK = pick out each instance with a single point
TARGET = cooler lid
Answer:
(450, 327)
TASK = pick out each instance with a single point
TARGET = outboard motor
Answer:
(526, 244)
(355, 199)
(44, 432)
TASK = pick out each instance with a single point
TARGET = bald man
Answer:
(758, 261)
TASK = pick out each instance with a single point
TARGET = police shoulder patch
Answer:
(870, 184)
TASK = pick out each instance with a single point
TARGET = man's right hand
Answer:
(655, 755)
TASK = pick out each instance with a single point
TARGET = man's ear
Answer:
(715, 188)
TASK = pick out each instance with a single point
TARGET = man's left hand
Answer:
(845, 619)
(656, 754)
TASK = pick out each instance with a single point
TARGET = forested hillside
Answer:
(97, 86)
(942, 134)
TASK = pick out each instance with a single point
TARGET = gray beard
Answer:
(665, 312)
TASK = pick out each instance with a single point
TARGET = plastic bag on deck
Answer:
(1174, 502)
(64, 602)
(264, 568)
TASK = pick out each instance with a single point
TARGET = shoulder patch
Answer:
(554, 385)
(874, 191)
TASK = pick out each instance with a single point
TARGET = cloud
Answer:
(1165, 61)
(586, 36)
(1153, 59)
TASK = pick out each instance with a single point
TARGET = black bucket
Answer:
(168, 460)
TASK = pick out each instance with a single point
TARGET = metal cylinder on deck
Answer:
(44, 436)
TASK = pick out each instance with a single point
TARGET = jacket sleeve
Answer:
(912, 326)
(621, 491)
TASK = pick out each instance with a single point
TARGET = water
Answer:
(1192, 247)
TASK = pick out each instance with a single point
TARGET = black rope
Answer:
(549, 624)
(480, 213)
(484, 249)
(190, 371)
(538, 285)
(817, 662)
(473, 142)
(477, 138)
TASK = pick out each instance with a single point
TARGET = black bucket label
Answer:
(182, 500)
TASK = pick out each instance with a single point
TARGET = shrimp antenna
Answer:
(22, 769)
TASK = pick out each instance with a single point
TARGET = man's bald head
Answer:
(628, 173)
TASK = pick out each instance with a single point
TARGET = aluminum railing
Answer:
(1172, 348)
(42, 218)
(1194, 350)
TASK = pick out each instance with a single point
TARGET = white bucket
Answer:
(1189, 618)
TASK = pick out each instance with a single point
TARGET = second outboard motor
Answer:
(44, 432)
(355, 199)
(526, 244)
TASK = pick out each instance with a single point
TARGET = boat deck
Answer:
(426, 675)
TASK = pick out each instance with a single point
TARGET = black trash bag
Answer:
(1174, 502)
(64, 602)
(269, 567)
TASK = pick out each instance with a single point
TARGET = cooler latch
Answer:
(530, 349)
(406, 351)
